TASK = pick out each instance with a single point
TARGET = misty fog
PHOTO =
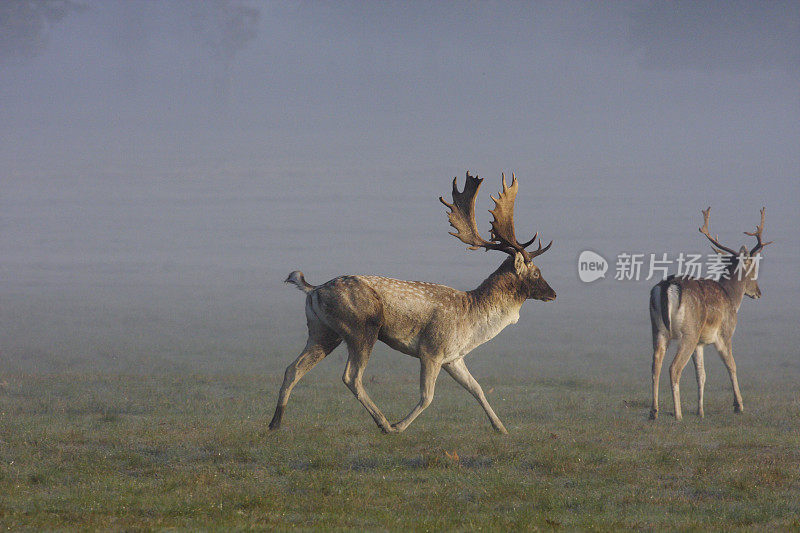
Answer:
(164, 165)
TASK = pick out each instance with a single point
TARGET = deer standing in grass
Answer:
(698, 312)
(434, 323)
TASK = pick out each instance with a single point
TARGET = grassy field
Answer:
(82, 451)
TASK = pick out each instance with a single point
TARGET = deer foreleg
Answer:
(459, 371)
(429, 371)
(726, 353)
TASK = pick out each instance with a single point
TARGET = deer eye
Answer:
(535, 274)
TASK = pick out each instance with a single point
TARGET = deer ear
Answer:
(519, 263)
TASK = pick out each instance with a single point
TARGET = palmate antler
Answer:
(503, 223)
(462, 214)
(503, 238)
(757, 234)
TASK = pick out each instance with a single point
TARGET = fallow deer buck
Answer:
(698, 312)
(434, 323)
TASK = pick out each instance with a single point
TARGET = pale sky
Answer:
(646, 88)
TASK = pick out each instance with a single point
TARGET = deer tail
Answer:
(665, 298)
(299, 281)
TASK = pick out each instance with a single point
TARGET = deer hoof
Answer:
(738, 408)
(653, 414)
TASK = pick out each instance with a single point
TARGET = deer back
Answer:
(695, 308)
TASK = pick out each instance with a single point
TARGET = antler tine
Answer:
(462, 216)
(526, 244)
(718, 251)
(714, 241)
(757, 234)
(540, 250)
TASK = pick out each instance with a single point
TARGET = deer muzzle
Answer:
(544, 292)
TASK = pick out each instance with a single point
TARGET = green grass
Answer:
(106, 451)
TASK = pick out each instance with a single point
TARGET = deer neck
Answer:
(500, 293)
(734, 288)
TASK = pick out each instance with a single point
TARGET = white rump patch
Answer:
(673, 299)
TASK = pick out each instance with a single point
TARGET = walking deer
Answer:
(698, 312)
(434, 323)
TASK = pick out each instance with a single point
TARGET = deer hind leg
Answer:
(359, 351)
(459, 371)
(685, 350)
(726, 353)
(700, 372)
(321, 342)
(429, 371)
(660, 341)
